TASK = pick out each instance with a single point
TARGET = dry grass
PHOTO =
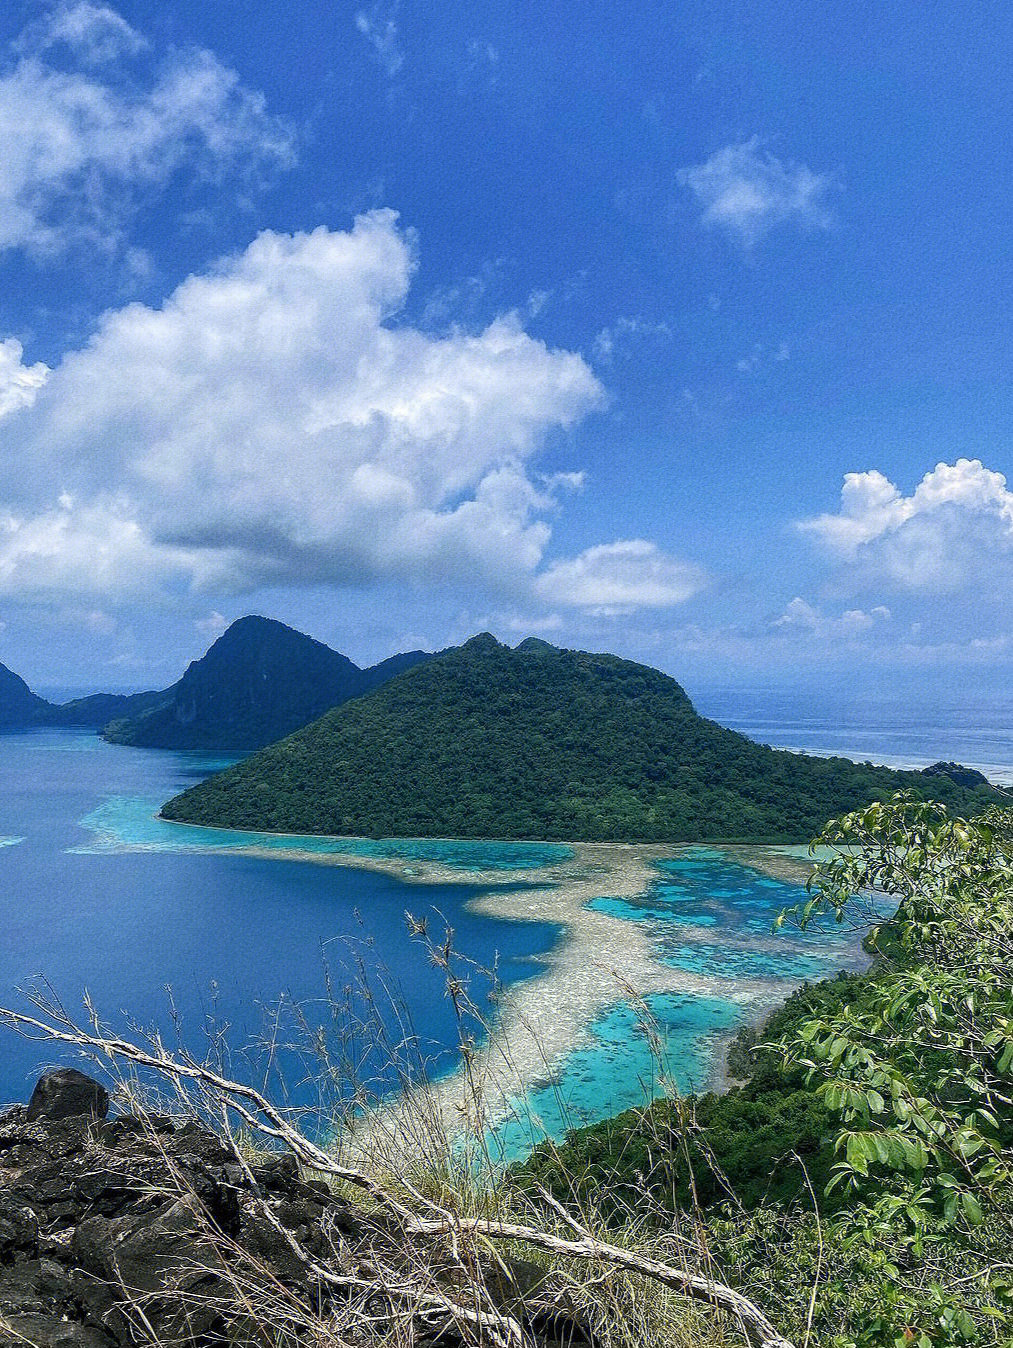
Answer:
(448, 1246)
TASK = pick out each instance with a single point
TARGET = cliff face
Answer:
(19, 706)
(259, 682)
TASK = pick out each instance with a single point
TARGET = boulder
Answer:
(65, 1093)
(105, 1223)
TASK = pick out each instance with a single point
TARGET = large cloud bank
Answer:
(274, 423)
(954, 531)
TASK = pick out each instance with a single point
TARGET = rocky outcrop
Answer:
(956, 772)
(116, 1232)
(105, 1223)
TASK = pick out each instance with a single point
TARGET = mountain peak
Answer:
(253, 628)
(483, 641)
(258, 682)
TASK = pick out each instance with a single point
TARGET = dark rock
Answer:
(49, 1332)
(66, 1093)
(958, 773)
(33, 1287)
(19, 1228)
(103, 1220)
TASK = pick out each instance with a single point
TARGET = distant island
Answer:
(258, 682)
(485, 741)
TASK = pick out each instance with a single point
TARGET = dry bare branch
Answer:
(260, 1115)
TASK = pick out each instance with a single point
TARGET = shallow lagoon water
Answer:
(636, 1055)
(102, 895)
(131, 823)
(709, 916)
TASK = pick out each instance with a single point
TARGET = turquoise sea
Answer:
(199, 933)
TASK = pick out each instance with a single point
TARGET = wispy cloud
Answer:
(88, 135)
(761, 356)
(747, 191)
(378, 25)
(627, 328)
(802, 618)
(616, 578)
(95, 32)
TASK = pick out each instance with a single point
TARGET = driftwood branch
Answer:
(259, 1114)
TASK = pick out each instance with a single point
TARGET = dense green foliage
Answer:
(488, 742)
(258, 682)
(866, 1197)
(704, 1148)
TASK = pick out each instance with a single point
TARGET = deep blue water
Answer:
(904, 729)
(228, 933)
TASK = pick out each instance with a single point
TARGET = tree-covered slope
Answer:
(19, 706)
(258, 682)
(98, 709)
(484, 741)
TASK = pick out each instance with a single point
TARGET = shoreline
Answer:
(598, 960)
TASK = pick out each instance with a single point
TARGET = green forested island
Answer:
(258, 682)
(484, 741)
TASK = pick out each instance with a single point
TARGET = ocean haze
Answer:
(898, 732)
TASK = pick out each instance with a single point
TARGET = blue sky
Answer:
(398, 321)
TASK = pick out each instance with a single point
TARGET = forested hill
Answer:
(258, 682)
(485, 741)
(19, 706)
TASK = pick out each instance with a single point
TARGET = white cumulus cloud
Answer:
(748, 191)
(19, 383)
(954, 529)
(85, 136)
(802, 618)
(273, 422)
(619, 577)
